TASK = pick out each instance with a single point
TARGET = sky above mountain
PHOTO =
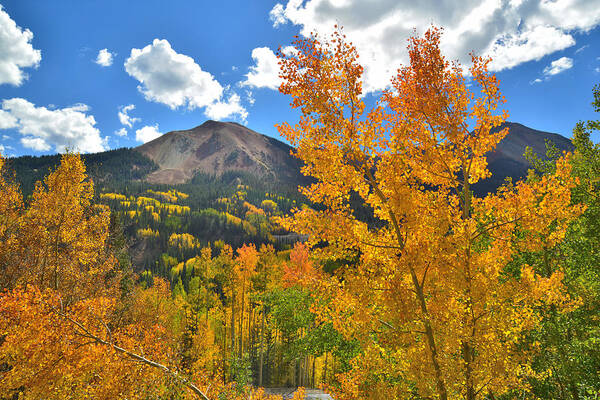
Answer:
(93, 76)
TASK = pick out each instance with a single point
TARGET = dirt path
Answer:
(288, 393)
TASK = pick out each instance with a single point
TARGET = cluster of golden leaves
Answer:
(431, 299)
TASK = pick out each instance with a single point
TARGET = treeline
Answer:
(112, 167)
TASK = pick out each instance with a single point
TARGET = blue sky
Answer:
(68, 68)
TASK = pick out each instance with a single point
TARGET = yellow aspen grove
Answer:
(429, 286)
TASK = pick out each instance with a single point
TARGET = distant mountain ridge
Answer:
(508, 159)
(217, 147)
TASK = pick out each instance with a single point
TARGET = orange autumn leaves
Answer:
(437, 297)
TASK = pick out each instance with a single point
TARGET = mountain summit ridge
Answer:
(214, 148)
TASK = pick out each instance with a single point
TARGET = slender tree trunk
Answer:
(324, 378)
(467, 351)
(224, 348)
(262, 339)
(313, 372)
(433, 356)
(233, 326)
(241, 332)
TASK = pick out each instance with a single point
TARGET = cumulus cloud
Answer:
(265, 71)
(147, 133)
(250, 97)
(124, 116)
(121, 132)
(63, 128)
(558, 66)
(16, 51)
(512, 32)
(7, 120)
(176, 80)
(277, 15)
(104, 58)
(221, 110)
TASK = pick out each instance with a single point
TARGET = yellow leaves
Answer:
(183, 241)
(246, 261)
(113, 196)
(434, 262)
(59, 240)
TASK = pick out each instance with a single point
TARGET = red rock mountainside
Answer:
(216, 147)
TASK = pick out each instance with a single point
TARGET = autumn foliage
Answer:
(433, 294)
(410, 286)
(70, 327)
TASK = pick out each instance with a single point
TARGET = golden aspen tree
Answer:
(434, 297)
(245, 268)
(11, 205)
(61, 235)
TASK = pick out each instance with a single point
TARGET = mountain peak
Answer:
(214, 148)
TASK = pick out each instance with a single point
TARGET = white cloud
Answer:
(558, 66)
(121, 132)
(16, 51)
(511, 31)
(221, 110)
(6, 150)
(124, 116)
(536, 80)
(42, 129)
(105, 58)
(176, 80)
(147, 133)
(582, 48)
(277, 15)
(7, 120)
(265, 71)
(527, 46)
(250, 97)
(35, 143)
